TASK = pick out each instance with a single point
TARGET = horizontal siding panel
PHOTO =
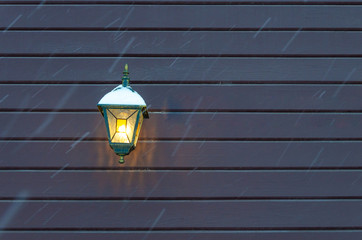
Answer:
(189, 155)
(178, 43)
(179, 70)
(189, 97)
(182, 235)
(185, 214)
(180, 126)
(181, 184)
(262, 156)
(195, 16)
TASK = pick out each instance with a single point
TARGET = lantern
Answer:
(123, 110)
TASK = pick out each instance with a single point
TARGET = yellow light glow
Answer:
(121, 126)
(122, 137)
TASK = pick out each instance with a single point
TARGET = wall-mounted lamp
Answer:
(123, 110)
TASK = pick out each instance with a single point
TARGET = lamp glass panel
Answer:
(120, 135)
(121, 124)
(111, 123)
(122, 113)
(120, 138)
(138, 129)
(131, 124)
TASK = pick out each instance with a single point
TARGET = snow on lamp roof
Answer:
(123, 96)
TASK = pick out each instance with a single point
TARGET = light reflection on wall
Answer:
(125, 183)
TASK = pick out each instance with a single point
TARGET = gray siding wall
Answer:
(255, 128)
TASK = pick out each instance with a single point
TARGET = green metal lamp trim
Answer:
(123, 149)
(125, 78)
(143, 108)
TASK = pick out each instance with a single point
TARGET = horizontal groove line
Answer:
(179, 29)
(199, 199)
(110, 2)
(115, 56)
(182, 169)
(158, 141)
(189, 229)
(291, 139)
(189, 111)
(182, 82)
(168, 231)
(108, 55)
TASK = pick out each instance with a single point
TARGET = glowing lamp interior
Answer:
(121, 125)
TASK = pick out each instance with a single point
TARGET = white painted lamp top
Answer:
(122, 96)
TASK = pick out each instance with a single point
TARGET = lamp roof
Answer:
(122, 96)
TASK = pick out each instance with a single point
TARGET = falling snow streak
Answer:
(155, 186)
(60, 70)
(329, 69)
(261, 28)
(187, 123)
(3, 98)
(40, 4)
(78, 141)
(174, 61)
(321, 95)
(344, 82)
(113, 22)
(185, 44)
(190, 69)
(345, 158)
(121, 54)
(154, 223)
(283, 153)
(36, 213)
(55, 143)
(126, 18)
(40, 90)
(357, 179)
(126, 201)
(14, 208)
(298, 119)
(180, 142)
(51, 217)
(12, 23)
(59, 171)
(316, 158)
(193, 112)
(59, 105)
(291, 40)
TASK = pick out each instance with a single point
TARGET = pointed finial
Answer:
(125, 78)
